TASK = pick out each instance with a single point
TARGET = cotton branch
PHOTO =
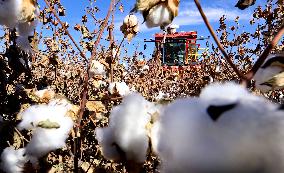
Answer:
(240, 75)
(66, 30)
(265, 53)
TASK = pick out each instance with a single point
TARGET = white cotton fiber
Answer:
(127, 129)
(96, 68)
(25, 30)
(247, 137)
(105, 136)
(13, 161)
(159, 15)
(229, 92)
(46, 139)
(34, 114)
(120, 87)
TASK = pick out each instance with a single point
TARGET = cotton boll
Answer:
(20, 14)
(129, 27)
(157, 12)
(37, 113)
(50, 127)
(161, 96)
(145, 68)
(247, 136)
(272, 66)
(119, 87)
(130, 20)
(96, 68)
(105, 137)
(13, 161)
(25, 30)
(46, 140)
(159, 15)
(231, 93)
(127, 129)
(263, 75)
(181, 130)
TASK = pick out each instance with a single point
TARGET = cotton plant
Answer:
(226, 129)
(120, 88)
(22, 15)
(127, 134)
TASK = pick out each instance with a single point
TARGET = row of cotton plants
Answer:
(225, 129)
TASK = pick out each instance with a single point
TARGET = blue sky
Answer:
(188, 19)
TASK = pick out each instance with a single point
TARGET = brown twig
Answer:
(86, 78)
(66, 30)
(85, 87)
(240, 75)
(265, 53)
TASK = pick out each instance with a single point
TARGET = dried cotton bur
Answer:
(22, 15)
(270, 76)
(243, 4)
(158, 12)
(130, 27)
(232, 132)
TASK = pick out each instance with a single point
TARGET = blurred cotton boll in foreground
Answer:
(158, 12)
(127, 133)
(20, 14)
(159, 15)
(13, 161)
(231, 132)
(50, 127)
(120, 88)
(269, 76)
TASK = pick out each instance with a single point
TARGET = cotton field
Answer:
(152, 86)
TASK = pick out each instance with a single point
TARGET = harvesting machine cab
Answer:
(178, 49)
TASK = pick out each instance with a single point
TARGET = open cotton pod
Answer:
(126, 137)
(20, 14)
(130, 26)
(269, 76)
(158, 12)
